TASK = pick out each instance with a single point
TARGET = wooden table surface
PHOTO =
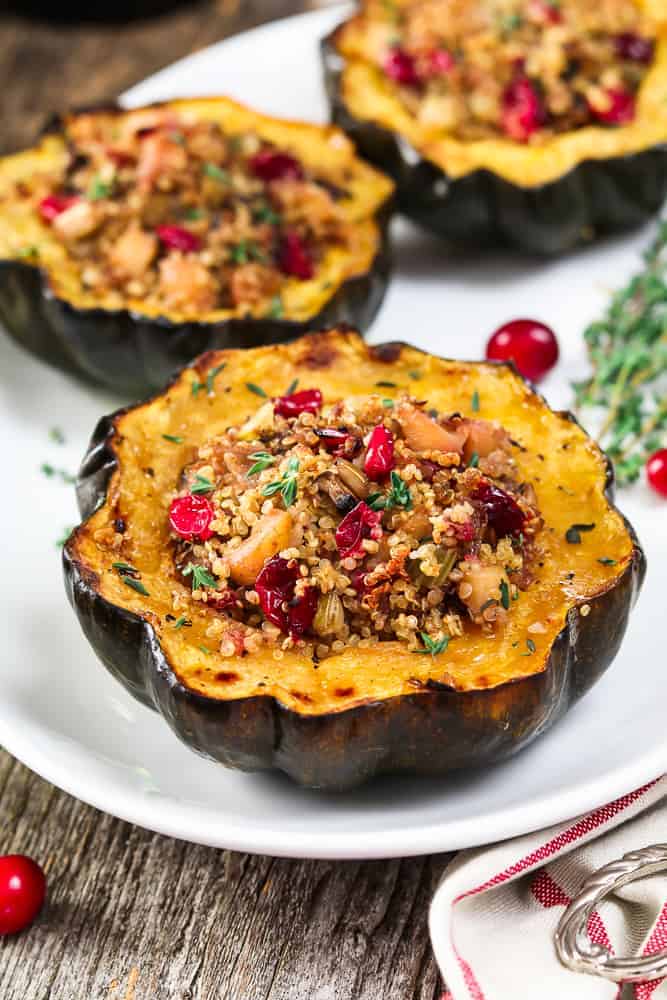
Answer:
(132, 915)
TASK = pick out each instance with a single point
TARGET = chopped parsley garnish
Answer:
(505, 594)
(286, 485)
(217, 173)
(201, 485)
(98, 189)
(474, 460)
(257, 389)
(573, 533)
(200, 576)
(474, 402)
(211, 377)
(433, 646)
(174, 438)
(276, 309)
(262, 461)
(131, 581)
(605, 561)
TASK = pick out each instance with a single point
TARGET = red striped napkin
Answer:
(495, 912)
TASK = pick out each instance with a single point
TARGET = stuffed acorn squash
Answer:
(533, 123)
(131, 241)
(341, 560)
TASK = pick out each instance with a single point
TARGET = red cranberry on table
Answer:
(531, 345)
(22, 892)
(656, 471)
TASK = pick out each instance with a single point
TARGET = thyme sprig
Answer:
(286, 485)
(628, 352)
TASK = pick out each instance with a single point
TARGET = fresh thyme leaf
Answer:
(257, 389)
(201, 485)
(276, 310)
(505, 594)
(607, 562)
(131, 581)
(376, 501)
(174, 438)
(211, 377)
(262, 461)
(573, 533)
(124, 567)
(474, 460)
(217, 173)
(415, 375)
(57, 435)
(265, 213)
(191, 214)
(180, 622)
(287, 484)
(510, 22)
(292, 386)
(196, 386)
(245, 251)
(200, 576)
(399, 495)
(205, 649)
(474, 402)
(387, 385)
(28, 252)
(627, 349)
(99, 189)
(388, 404)
(177, 137)
(531, 645)
(433, 646)
(488, 604)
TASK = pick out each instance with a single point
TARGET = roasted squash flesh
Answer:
(568, 470)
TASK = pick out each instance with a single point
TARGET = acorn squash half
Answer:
(544, 198)
(361, 712)
(47, 309)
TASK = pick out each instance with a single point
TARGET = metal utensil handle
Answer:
(574, 946)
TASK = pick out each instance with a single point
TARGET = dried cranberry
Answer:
(545, 10)
(22, 892)
(272, 165)
(332, 439)
(379, 459)
(275, 587)
(358, 580)
(440, 62)
(221, 600)
(531, 345)
(55, 204)
(400, 67)
(621, 110)
(634, 47)
(360, 523)
(428, 469)
(502, 511)
(191, 516)
(294, 258)
(305, 401)
(656, 471)
(522, 113)
(178, 238)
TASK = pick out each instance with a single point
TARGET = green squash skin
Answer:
(429, 732)
(482, 209)
(133, 354)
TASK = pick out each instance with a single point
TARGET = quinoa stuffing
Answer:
(172, 210)
(523, 69)
(364, 520)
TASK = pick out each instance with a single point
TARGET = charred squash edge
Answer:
(133, 353)
(481, 207)
(434, 730)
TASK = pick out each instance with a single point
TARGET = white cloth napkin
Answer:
(495, 911)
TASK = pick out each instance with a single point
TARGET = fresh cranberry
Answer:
(272, 165)
(522, 112)
(634, 47)
(178, 238)
(360, 523)
(22, 892)
(545, 10)
(531, 345)
(656, 471)
(400, 67)
(294, 258)
(305, 401)
(502, 511)
(379, 459)
(332, 439)
(191, 516)
(621, 109)
(440, 62)
(275, 587)
(55, 204)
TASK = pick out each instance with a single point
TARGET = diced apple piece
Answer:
(422, 433)
(133, 252)
(269, 535)
(480, 584)
(484, 438)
